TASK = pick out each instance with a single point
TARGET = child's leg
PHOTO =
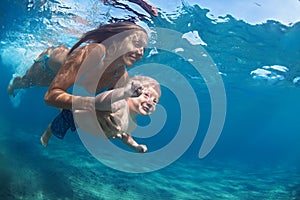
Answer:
(46, 136)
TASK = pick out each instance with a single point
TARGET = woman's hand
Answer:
(133, 89)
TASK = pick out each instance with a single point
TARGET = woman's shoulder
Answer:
(96, 46)
(82, 52)
(90, 47)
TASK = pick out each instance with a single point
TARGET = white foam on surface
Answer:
(194, 38)
(271, 73)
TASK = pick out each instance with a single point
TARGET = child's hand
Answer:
(133, 89)
(141, 148)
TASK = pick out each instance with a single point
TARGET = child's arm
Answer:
(128, 140)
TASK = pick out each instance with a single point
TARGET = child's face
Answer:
(146, 103)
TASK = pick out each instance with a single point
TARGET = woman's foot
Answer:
(46, 136)
(16, 82)
(10, 90)
(152, 10)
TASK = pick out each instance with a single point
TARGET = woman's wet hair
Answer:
(106, 31)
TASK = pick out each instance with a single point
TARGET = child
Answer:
(117, 117)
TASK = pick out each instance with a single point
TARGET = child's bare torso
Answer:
(118, 120)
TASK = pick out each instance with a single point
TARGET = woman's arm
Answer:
(57, 93)
(105, 100)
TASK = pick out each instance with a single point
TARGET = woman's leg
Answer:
(35, 75)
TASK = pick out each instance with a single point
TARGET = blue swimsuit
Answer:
(62, 123)
(44, 61)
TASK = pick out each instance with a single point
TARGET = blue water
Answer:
(256, 157)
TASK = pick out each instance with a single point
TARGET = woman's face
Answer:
(134, 47)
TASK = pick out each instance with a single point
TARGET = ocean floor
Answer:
(65, 170)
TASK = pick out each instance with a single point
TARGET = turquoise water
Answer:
(256, 157)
